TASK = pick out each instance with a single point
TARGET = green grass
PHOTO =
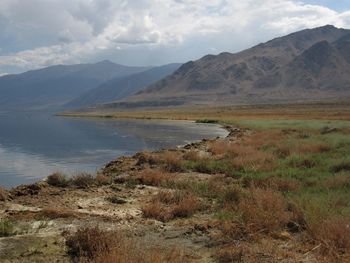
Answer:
(300, 124)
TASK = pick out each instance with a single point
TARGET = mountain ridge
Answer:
(258, 74)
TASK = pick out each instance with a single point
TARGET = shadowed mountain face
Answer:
(54, 86)
(306, 65)
(121, 87)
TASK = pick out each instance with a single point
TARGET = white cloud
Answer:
(80, 29)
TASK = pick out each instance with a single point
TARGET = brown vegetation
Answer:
(333, 236)
(95, 245)
(57, 179)
(102, 179)
(154, 177)
(83, 180)
(167, 205)
(264, 211)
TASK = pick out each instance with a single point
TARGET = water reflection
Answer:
(32, 145)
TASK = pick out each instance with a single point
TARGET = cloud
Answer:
(143, 31)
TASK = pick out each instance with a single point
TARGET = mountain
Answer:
(311, 64)
(121, 87)
(54, 86)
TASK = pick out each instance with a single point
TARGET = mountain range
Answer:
(54, 86)
(73, 86)
(311, 64)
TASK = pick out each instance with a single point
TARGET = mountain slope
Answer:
(266, 73)
(56, 85)
(122, 87)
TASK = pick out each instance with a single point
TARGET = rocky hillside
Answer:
(306, 65)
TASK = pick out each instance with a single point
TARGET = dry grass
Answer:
(57, 179)
(274, 183)
(338, 181)
(83, 180)
(192, 155)
(146, 158)
(229, 254)
(95, 245)
(154, 177)
(221, 147)
(298, 111)
(333, 235)
(264, 211)
(102, 179)
(167, 205)
(309, 147)
(89, 243)
(244, 155)
(171, 161)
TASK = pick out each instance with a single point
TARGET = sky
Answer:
(40, 33)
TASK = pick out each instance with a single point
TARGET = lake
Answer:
(35, 144)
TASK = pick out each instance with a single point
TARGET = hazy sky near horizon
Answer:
(40, 33)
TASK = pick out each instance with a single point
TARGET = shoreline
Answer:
(225, 132)
(263, 188)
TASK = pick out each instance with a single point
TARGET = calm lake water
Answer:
(33, 145)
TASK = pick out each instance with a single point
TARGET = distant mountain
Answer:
(54, 86)
(121, 87)
(311, 64)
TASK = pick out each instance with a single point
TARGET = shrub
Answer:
(83, 180)
(229, 254)
(253, 161)
(172, 161)
(57, 179)
(192, 155)
(333, 234)
(167, 205)
(230, 197)
(101, 246)
(102, 179)
(153, 177)
(275, 183)
(147, 157)
(221, 147)
(157, 211)
(210, 166)
(90, 243)
(7, 228)
(264, 210)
